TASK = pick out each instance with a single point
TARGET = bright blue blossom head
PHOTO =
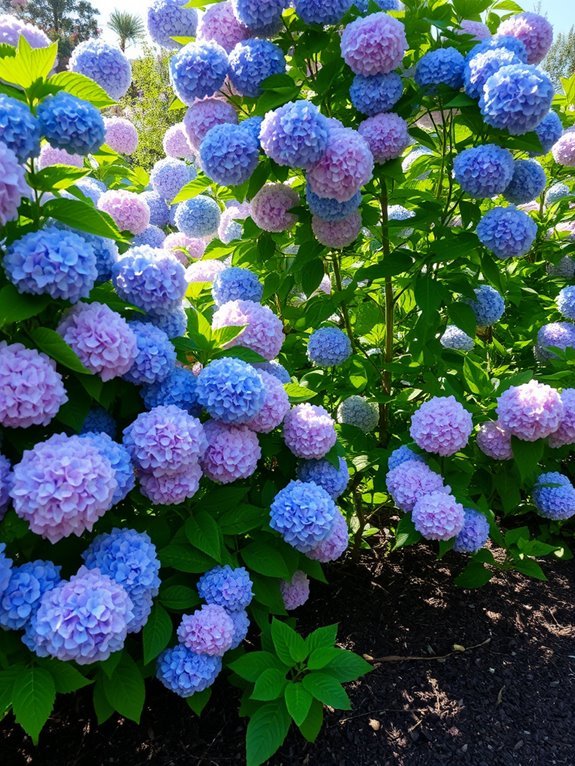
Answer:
(296, 134)
(173, 322)
(159, 210)
(276, 369)
(303, 513)
(528, 182)
(119, 459)
(549, 131)
(372, 94)
(330, 209)
(322, 11)
(507, 232)
(443, 66)
(229, 154)
(198, 217)
(566, 302)
(21, 598)
(152, 236)
(154, 280)
(325, 475)
(236, 284)
(251, 62)
(104, 63)
(496, 42)
(5, 568)
(230, 390)
(259, 15)
(170, 18)
(226, 586)
(69, 123)
(98, 420)
(554, 496)
(402, 455)
(384, 5)
(155, 356)
(19, 129)
(485, 63)
(184, 672)
(328, 347)
(488, 305)
(254, 125)
(484, 171)
(516, 98)
(474, 534)
(198, 70)
(454, 338)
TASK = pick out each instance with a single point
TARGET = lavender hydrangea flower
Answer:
(549, 131)
(565, 434)
(204, 271)
(295, 592)
(121, 135)
(175, 143)
(484, 171)
(516, 98)
(70, 123)
(476, 29)
(62, 486)
(374, 44)
(309, 431)
(119, 459)
(346, 165)
(271, 206)
(13, 185)
(386, 135)
(328, 347)
(5, 568)
(12, 28)
(438, 516)
(168, 176)
(155, 355)
(325, 475)
(295, 134)
(410, 480)
(21, 598)
(531, 411)
(219, 23)
(173, 489)
(230, 228)
(557, 335)
(330, 210)
(534, 31)
(276, 405)
(104, 63)
(235, 283)
(322, 11)
(495, 441)
(374, 94)
(566, 302)
(129, 211)
(154, 280)
(441, 425)
(226, 586)
(198, 217)
(488, 305)
(263, 331)
(258, 15)
(230, 390)
(507, 232)
(554, 496)
(100, 337)
(229, 154)
(204, 115)
(443, 66)
(337, 234)
(303, 513)
(31, 389)
(20, 130)
(402, 455)
(49, 156)
(184, 672)
(454, 338)
(209, 630)
(474, 534)
(198, 70)
(5, 487)
(564, 150)
(168, 19)
(178, 389)
(334, 545)
(357, 411)
(528, 182)
(482, 65)
(233, 452)
(159, 210)
(251, 62)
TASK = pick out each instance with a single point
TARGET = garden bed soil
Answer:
(507, 700)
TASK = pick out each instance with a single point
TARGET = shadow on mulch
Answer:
(510, 701)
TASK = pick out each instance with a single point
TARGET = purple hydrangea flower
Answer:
(119, 459)
(359, 412)
(557, 335)
(179, 389)
(295, 134)
(516, 98)
(5, 487)
(330, 210)
(13, 185)
(171, 18)
(49, 156)
(476, 29)
(70, 123)
(337, 234)
(230, 390)
(438, 516)
(507, 232)
(309, 431)
(564, 150)
(176, 144)
(565, 434)
(198, 217)
(229, 154)
(251, 62)
(275, 407)
(386, 135)
(443, 66)
(21, 598)
(385, 5)
(346, 165)
(121, 135)
(528, 182)
(271, 206)
(263, 331)
(566, 302)
(377, 93)
(31, 389)
(20, 130)
(454, 338)
(226, 586)
(482, 65)
(159, 210)
(104, 63)
(534, 31)
(204, 271)
(258, 15)
(98, 420)
(554, 496)
(484, 171)
(402, 455)
(219, 23)
(173, 489)
(154, 280)
(184, 672)
(276, 369)
(233, 452)
(155, 355)
(12, 28)
(441, 425)
(322, 11)
(334, 545)
(204, 115)
(328, 347)
(374, 44)
(5, 568)
(129, 211)
(531, 411)
(474, 534)
(198, 70)
(295, 592)
(168, 176)
(494, 441)
(325, 475)
(410, 480)
(62, 486)
(209, 630)
(303, 513)
(488, 305)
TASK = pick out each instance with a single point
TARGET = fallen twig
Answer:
(399, 658)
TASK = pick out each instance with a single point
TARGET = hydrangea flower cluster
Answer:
(198, 217)
(176, 144)
(455, 338)
(168, 176)
(328, 347)
(235, 283)
(178, 389)
(170, 18)
(565, 434)
(373, 45)
(104, 63)
(327, 476)
(232, 453)
(275, 407)
(564, 150)
(559, 335)
(309, 431)
(554, 496)
(119, 459)
(474, 534)
(20, 130)
(184, 672)
(228, 587)
(530, 411)
(155, 355)
(330, 210)
(549, 131)
(534, 31)
(488, 305)
(5, 486)
(303, 513)
(359, 412)
(507, 232)
(219, 23)
(204, 115)
(528, 182)
(334, 545)
(443, 66)
(70, 123)
(259, 16)
(159, 210)
(270, 207)
(402, 455)
(13, 185)
(411, 480)
(295, 592)
(99, 420)
(377, 93)
(516, 98)
(152, 236)
(129, 211)
(484, 171)
(154, 280)
(21, 598)
(438, 516)
(347, 163)
(482, 65)
(208, 631)
(495, 441)
(263, 330)
(556, 192)
(386, 136)
(230, 390)
(229, 154)
(251, 62)
(198, 70)
(441, 425)
(296, 134)
(121, 135)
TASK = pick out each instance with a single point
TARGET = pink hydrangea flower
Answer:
(386, 135)
(309, 431)
(295, 592)
(345, 167)
(263, 331)
(531, 411)
(478, 29)
(438, 516)
(334, 545)
(534, 31)
(233, 452)
(410, 480)
(121, 135)
(209, 630)
(178, 241)
(494, 441)
(276, 405)
(218, 23)
(271, 205)
(441, 425)
(129, 211)
(204, 115)
(49, 156)
(374, 44)
(204, 271)
(565, 434)
(176, 144)
(337, 234)
(173, 489)
(564, 150)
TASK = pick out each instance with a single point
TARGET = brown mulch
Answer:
(505, 696)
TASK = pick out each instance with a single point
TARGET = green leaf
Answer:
(530, 568)
(473, 576)
(192, 189)
(178, 598)
(347, 666)
(29, 64)
(463, 317)
(298, 701)
(312, 275)
(184, 558)
(251, 665)
(66, 678)
(243, 518)
(125, 690)
(311, 727)
(102, 707)
(33, 698)
(297, 393)
(58, 177)
(265, 559)
(527, 456)
(327, 689)
(82, 87)
(199, 700)
(321, 656)
(203, 532)
(55, 346)
(289, 645)
(476, 377)
(269, 685)
(321, 637)
(405, 533)
(15, 307)
(157, 633)
(267, 729)
(82, 216)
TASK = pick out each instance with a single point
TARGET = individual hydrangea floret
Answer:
(229, 154)
(104, 63)
(377, 93)
(168, 176)
(410, 480)
(534, 31)
(474, 534)
(263, 331)
(226, 586)
(438, 516)
(152, 236)
(488, 305)
(507, 232)
(295, 135)
(13, 186)
(152, 279)
(121, 135)
(5, 568)
(441, 425)
(259, 15)
(19, 129)
(100, 337)
(323, 473)
(402, 455)
(565, 434)
(70, 123)
(119, 459)
(173, 489)
(549, 131)
(98, 420)
(328, 347)
(554, 496)
(128, 210)
(198, 217)
(531, 411)
(455, 338)
(21, 598)
(166, 440)
(198, 70)
(482, 65)
(346, 165)
(557, 192)
(374, 44)
(443, 66)
(309, 431)
(495, 441)
(330, 210)
(276, 405)
(159, 210)
(186, 673)
(270, 208)
(564, 150)
(484, 171)
(359, 412)
(516, 98)
(251, 62)
(386, 135)
(219, 23)
(204, 115)
(334, 545)
(171, 18)
(303, 513)
(209, 630)
(31, 389)
(528, 182)
(233, 452)
(179, 389)
(155, 355)
(5, 486)
(559, 335)
(295, 592)
(322, 11)
(231, 390)
(176, 144)
(62, 486)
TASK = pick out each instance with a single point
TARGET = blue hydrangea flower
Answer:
(516, 98)
(566, 302)
(328, 347)
(104, 63)
(198, 70)
(174, 322)
(454, 338)
(330, 209)
(443, 66)
(554, 496)
(402, 455)
(372, 94)
(99, 421)
(251, 62)
(384, 5)
(488, 305)
(296, 134)
(91, 188)
(155, 357)
(168, 176)
(324, 474)
(226, 586)
(52, 262)
(254, 125)
(512, 44)
(179, 388)
(69, 123)
(105, 250)
(22, 596)
(153, 280)
(507, 232)
(198, 217)
(304, 514)
(549, 131)
(322, 11)
(5, 568)
(159, 210)
(19, 129)
(119, 459)
(170, 18)
(241, 623)
(276, 369)
(236, 284)
(152, 236)
(474, 534)
(480, 68)
(484, 171)
(229, 154)
(259, 15)
(184, 672)
(556, 192)
(528, 182)
(230, 390)
(559, 335)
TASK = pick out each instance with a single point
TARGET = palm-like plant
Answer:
(129, 27)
